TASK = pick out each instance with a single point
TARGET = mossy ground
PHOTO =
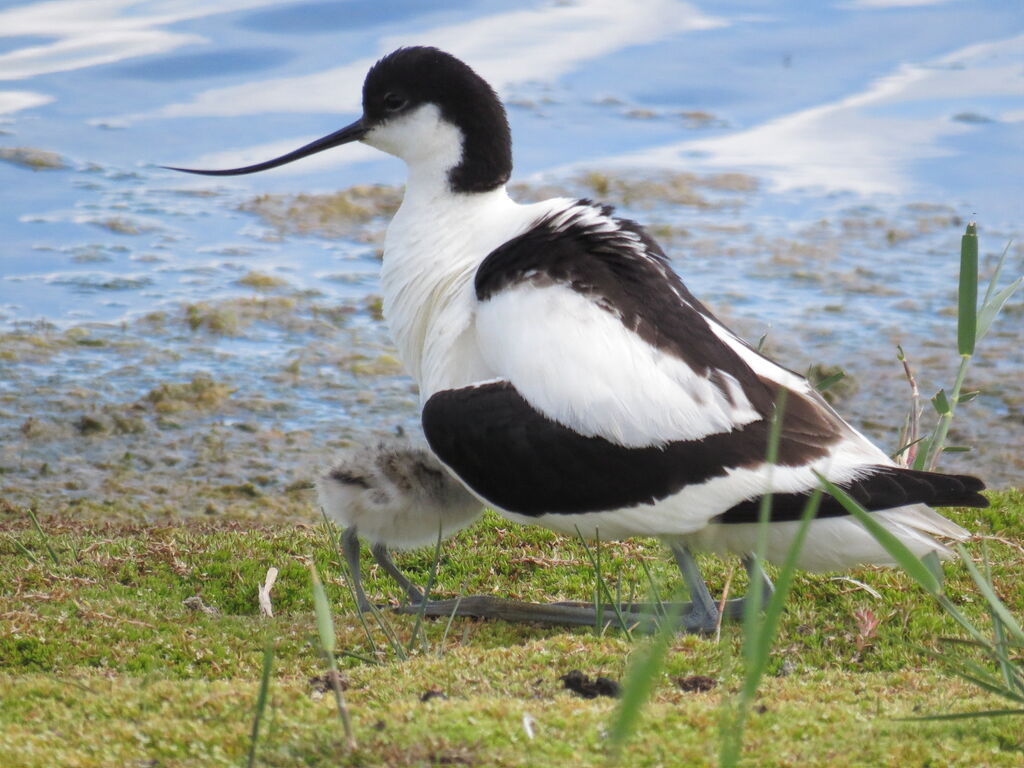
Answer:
(102, 664)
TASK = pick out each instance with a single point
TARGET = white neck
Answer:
(434, 245)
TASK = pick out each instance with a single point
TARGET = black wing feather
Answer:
(521, 461)
(618, 265)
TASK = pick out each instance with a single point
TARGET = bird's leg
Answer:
(383, 557)
(698, 618)
(754, 572)
(701, 615)
(350, 548)
(561, 614)
(734, 608)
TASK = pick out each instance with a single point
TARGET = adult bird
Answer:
(569, 378)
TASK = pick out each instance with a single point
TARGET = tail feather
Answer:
(880, 488)
(893, 486)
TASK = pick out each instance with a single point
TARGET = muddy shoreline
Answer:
(205, 407)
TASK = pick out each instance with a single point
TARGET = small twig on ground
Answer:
(547, 562)
(860, 585)
(722, 602)
(89, 613)
(266, 608)
(906, 459)
(1001, 540)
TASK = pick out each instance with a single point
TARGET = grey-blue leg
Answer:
(383, 557)
(755, 572)
(702, 614)
(350, 548)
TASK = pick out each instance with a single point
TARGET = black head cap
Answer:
(409, 77)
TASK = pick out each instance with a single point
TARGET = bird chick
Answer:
(394, 495)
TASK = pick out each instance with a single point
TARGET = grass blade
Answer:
(995, 605)
(42, 533)
(758, 635)
(655, 594)
(1011, 675)
(418, 626)
(324, 623)
(938, 439)
(26, 552)
(448, 626)
(996, 274)
(906, 559)
(995, 688)
(602, 587)
(755, 596)
(328, 641)
(385, 626)
(389, 633)
(261, 702)
(963, 621)
(638, 683)
(966, 715)
(331, 531)
(598, 584)
(758, 655)
(993, 302)
(906, 447)
(932, 563)
(830, 381)
(783, 583)
(975, 673)
(990, 309)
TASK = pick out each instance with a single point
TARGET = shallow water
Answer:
(859, 138)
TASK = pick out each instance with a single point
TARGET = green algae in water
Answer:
(647, 191)
(33, 159)
(201, 393)
(262, 281)
(122, 226)
(231, 316)
(333, 215)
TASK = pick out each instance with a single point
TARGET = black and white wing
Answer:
(617, 388)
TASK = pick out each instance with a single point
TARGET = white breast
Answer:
(434, 245)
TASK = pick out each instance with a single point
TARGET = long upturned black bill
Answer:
(348, 134)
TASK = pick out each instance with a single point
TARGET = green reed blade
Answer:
(967, 308)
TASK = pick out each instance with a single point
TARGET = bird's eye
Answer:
(393, 102)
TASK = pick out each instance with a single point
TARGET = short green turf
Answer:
(102, 664)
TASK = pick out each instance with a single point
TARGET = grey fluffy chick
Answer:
(394, 495)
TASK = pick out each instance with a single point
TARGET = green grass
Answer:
(101, 664)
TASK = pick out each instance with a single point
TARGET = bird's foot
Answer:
(644, 617)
